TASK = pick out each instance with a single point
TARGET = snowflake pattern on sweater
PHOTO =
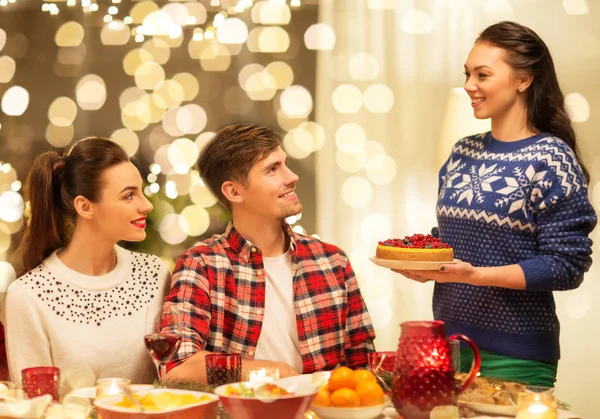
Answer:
(503, 203)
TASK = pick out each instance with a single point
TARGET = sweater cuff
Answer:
(538, 274)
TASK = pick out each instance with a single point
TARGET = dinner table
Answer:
(390, 413)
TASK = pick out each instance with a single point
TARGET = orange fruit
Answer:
(344, 397)
(322, 398)
(363, 375)
(341, 377)
(369, 393)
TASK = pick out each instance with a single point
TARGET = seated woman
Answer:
(82, 303)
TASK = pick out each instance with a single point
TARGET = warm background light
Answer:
(350, 138)
(347, 98)
(91, 92)
(62, 111)
(407, 61)
(15, 101)
(367, 96)
(7, 69)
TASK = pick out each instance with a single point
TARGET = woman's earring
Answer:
(520, 89)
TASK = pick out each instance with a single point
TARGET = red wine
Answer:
(162, 346)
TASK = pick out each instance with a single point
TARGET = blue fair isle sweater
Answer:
(503, 203)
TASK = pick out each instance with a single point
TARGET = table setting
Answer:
(217, 404)
(418, 381)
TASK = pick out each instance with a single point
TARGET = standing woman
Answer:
(513, 203)
(82, 303)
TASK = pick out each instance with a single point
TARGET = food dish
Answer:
(495, 397)
(370, 412)
(410, 265)
(206, 408)
(415, 248)
(291, 406)
(265, 390)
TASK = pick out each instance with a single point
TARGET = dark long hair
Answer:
(51, 187)
(528, 55)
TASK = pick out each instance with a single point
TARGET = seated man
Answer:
(278, 298)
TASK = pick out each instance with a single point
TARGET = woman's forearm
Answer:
(508, 276)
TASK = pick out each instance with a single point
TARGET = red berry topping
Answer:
(416, 241)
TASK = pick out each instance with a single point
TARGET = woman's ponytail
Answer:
(44, 231)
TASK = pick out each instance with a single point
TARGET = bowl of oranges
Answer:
(350, 394)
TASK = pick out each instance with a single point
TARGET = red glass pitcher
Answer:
(423, 375)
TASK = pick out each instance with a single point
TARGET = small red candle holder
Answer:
(38, 381)
(387, 360)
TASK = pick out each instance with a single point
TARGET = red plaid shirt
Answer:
(219, 287)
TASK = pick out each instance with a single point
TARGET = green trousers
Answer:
(525, 371)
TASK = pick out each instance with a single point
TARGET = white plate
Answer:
(491, 409)
(409, 264)
(90, 392)
(27, 408)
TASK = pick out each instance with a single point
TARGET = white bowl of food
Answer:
(160, 404)
(286, 399)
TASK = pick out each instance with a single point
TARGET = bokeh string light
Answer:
(163, 114)
(11, 218)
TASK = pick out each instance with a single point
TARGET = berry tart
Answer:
(415, 248)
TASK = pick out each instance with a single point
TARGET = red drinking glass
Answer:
(424, 373)
(223, 368)
(38, 381)
(165, 343)
(162, 347)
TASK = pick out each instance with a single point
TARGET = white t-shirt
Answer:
(88, 326)
(278, 339)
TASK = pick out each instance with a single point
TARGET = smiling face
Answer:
(120, 214)
(491, 82)
(269, 191)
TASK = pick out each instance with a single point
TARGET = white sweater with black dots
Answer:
(89, 326)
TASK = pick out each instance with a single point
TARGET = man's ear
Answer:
(84, 207)
(232, 191)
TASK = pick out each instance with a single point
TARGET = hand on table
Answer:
(285, 370)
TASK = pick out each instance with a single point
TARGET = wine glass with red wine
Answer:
(163, 345)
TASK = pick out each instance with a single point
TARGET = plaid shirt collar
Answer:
(239, 245)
